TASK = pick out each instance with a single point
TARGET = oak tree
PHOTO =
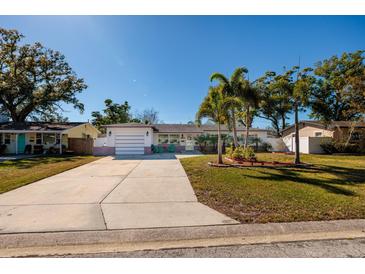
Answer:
(34, 80)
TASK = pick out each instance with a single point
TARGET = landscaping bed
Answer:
(248, 163)
(17, 173)
(332, 187)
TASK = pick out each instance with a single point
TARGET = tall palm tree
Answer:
(231, 87)
(216, 106)
(249, 96)
(297, 85)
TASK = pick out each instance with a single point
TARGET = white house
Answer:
(311, 135)
(133, 138)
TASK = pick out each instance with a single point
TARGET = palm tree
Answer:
(249, 96)
(231, 88)
(298, 92)
(216, 106)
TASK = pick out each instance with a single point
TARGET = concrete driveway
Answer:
(111, 193)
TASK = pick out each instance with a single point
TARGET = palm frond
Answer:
(219, 77)
(238, 74)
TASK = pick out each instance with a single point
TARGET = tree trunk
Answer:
(20, 117)
(297, 149)
(283, 122)
(219, 149)
(276, 128)
(247, 126)
(235, 141)
(352, 128)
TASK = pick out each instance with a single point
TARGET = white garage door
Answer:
(129, 144)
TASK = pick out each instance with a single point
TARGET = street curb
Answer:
(51, 243)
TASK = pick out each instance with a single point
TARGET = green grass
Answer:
(17, 173)
(332, 188)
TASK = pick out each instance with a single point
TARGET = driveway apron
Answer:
(111, 193)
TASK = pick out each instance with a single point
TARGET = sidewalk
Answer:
(88, 242)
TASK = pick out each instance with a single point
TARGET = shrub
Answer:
(349, 148)
(229, 151)
(238, 154)
(339, 147)
(249, 153)
(328, 147)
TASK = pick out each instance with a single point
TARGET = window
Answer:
(182, 139)
(252, 137)
(174, 138)
(49, 138)
(31, 138)
(356, 136)
(38, 138)
(7, 138)
(318, 134)
(163, 138)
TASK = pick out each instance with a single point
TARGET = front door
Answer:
(21, 142)
(189, 143)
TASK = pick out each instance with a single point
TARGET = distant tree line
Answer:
(115, 113)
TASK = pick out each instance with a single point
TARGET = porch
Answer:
(27, 143)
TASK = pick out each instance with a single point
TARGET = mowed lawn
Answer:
(17, 173)
(333, 188)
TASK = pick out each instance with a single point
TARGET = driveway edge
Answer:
(58, 243)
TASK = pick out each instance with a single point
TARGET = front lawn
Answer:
(333, 188)
(17, 173)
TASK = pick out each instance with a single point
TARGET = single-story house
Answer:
(36, 137)
(133, 138)
(313, 133)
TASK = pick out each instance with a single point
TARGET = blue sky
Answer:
(165, 62)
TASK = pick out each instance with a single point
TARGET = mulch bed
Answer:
(247, 163)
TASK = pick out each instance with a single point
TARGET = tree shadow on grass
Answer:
(344, 176)
(36, 161)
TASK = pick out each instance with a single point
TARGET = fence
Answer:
(81, 145)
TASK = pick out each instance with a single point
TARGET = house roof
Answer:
(179, 128)
(195, 129)
(129, 125)
(330, 126)
(225, 128)
(38, 126)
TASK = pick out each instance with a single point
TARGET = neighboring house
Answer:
(313, 133)
(41, 136)
(133, 138)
